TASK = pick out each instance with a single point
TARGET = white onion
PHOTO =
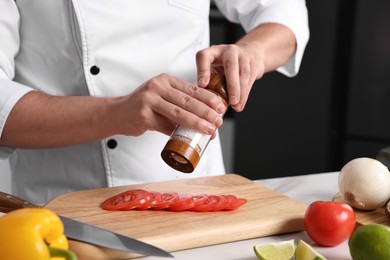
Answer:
(364, 183)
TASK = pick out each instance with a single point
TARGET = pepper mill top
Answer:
(217, 84)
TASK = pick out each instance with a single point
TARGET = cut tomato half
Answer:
(127, 200)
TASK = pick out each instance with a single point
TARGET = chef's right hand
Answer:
(163, 102)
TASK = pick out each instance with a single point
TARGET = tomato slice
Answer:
(208, 205)
(167, 198)
(127, 200)
(155, 198)
(200, 199)
(184, 202)
(230, 201)
(222, 203)
(141, 200)
(236, 204)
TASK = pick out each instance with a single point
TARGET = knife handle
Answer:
(10, 202)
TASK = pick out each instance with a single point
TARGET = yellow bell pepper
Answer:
(33, 234)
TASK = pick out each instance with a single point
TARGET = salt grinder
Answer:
(186, 146)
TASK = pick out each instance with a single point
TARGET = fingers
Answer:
(204, 59)
(247, 79)
(238, 67)
(225, 59)
(188, 111)
(184, 104)
(245, 82)
(230, 61)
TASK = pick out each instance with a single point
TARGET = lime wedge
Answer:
(275, 251)
(305, 252)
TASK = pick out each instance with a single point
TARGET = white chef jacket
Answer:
(108, 48)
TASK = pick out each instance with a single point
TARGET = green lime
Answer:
(306, 252)
(370, 241)
(275, 251)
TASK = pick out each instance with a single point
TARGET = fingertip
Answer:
(210, 128)
(233, 100)
(203, 80)
(238, 107)
(218, 121)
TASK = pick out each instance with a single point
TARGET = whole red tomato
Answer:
(329, 223)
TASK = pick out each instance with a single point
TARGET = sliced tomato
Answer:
(127, 200)
(222, 203)
(230, 201)
(167, 198)
(141, 200)
(200, 199)
(144, 206)
(231, 198)
(184, 202)
(155, 198)
(236, 204)
(208, 205)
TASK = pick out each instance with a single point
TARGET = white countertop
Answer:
(305, 188)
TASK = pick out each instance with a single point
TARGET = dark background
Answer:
(335, 110)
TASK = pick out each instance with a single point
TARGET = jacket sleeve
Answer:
(10, 91)
(291, 13)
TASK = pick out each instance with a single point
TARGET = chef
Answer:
(91, 90)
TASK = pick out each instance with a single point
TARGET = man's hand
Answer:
(262, 50)
(165, 101)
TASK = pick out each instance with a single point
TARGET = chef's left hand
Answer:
(265, 48)
(241, 69)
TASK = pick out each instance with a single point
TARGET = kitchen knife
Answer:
(87, 233)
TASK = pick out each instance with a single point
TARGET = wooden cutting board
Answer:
(364, 217)
(266, 213)
(377, 216)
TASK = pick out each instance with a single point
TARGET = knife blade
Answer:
(84, 232)
(87, 233)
